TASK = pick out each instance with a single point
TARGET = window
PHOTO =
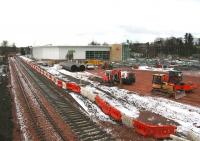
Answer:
(103, 55)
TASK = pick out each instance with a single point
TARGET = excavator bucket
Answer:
(179, 94)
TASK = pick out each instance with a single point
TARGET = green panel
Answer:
(125, 52)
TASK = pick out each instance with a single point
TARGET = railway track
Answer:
(44, 130)
(81, 124)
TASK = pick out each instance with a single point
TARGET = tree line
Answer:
(6, 48)
(183, 47)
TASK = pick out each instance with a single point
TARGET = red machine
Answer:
(176, 77)
(118, 76)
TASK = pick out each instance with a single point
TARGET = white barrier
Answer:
(64, 85)
(126, 120)
(88, 94)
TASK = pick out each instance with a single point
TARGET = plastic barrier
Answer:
(126, 120)
(157, 131)
(64, 85)
(84, 91)
(59, 83)
(42, 71)
(115, 114)
(49, 76)
(141, 127)
(106, 108)
(99, 101)
(53, 79)
(88, 94)
(36, 68)
(73, 87)
(45, 73)
(39, 69)
(91, 96)
(163, 131)
(33, 66)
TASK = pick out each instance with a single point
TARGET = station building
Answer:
(115, 52)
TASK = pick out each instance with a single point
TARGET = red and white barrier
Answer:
(64, 85)
(156, 131)
(126, 120)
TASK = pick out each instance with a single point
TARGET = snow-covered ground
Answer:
(92, 109)
(187, 116)
(155, 69)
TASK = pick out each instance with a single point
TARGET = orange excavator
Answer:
(171, 84)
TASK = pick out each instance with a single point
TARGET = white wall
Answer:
(37, 53)
(50, 53)
(60, 52)
(79, 51)
(45, 53)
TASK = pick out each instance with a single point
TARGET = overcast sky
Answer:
(78, 22)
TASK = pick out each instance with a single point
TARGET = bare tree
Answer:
(4, 43)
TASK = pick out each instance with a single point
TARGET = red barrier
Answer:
(157, 131)
(115, 114)
(142, 128)
(164, 131)
(53, 79)
(105, 107)
(59, 83)
(44, 73)
(41, 71)
(73, 87)
(49, 76)
(99, 101)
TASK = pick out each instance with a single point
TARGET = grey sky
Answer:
(72, 22)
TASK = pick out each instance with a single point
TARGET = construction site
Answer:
(94, 99)
(100, 70)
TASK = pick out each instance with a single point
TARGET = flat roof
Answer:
(73, 46)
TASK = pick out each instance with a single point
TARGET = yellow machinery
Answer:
(94, 62)
(159, 84)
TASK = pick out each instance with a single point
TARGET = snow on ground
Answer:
(79, 75)
(187, 116)
(92, 109)
(155, 69)
(125, 108)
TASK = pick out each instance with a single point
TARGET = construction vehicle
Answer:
(94, 62)
(91, 63)
(171, 84)
(118, 77)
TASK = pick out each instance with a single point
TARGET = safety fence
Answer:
(156, 131)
